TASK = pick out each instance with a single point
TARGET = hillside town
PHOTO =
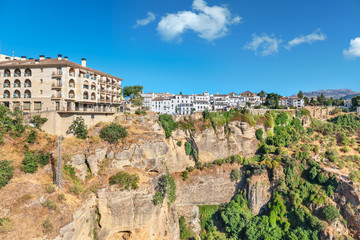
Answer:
(167, 103)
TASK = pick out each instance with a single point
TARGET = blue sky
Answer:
(196, 45)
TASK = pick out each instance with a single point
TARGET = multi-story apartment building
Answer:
(57, 84)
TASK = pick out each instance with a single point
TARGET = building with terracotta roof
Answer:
(57, 84)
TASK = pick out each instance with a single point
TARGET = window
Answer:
(57, 106)
(27, 105)
(41, 81)
(41, 70)
(37, 105)
(41, 92)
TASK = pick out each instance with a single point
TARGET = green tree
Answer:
(321, 99)
(78, 128)
(272, 100)
(134, 92)
(356, 101)
(300, 95)
(306, 100)
(330, 213)
(259, 134)
(38, 121)
(168, 124)
(262, 93)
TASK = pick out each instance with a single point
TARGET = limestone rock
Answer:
(95, 159)
(258, 192)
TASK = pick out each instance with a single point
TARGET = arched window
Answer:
(7, 73)
(86, 85)
(93, 96)
(86, 95)
(17, 94)
(72, 83)
(71, 94)
(27, 94)
(27, 72)
(72, 72)
(17, 73)
(6, 94)
(27, 83)
(6, 83)
(93, 86)
(17, 83)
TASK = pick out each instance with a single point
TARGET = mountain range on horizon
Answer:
(334, 93)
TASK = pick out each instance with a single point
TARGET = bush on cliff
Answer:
(78, 128)
(113, 132)
(330, 213)
(125, 180)
(32, 159)
(38, 121)
(6, 172)
(166, 188)
(188, 148)
(168, 124)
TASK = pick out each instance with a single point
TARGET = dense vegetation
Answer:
(166, 188)
(6, 172)
(302, 187)
(113, 132)
(168, 124)
(125, 180)
(32, 160)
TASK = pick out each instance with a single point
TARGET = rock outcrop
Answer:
(259, 192)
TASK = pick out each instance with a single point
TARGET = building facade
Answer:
(57, 84)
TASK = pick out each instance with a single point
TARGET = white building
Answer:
(296, 102)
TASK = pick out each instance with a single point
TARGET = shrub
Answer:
(188, 148)
(113, 132)
(195, 154)
(355, 175)
(190, 169)
(49, 188)
(5, 225)
(235, 175)
(140, 112)
(78, 128)
(185, 175)
(179, 143)
(30, 163)
(6, 172)
(259, 134)
(43, 158)
(345, 149)
(168, 124)
(330, 213)
(125, 180)
(38, 121)
(61, 197)
(75, 190)
(332, 155)
(49, 204)
(32, 136)
(48, 226)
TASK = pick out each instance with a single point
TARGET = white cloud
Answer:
(143, 22)
(317, 35)
(264, 45)
(208, 22)
(354, 49)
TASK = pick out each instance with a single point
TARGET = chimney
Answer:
(59, 57)
(66, 58)
(36, 61)
(83, 62)
(23, 57)
(42, 57)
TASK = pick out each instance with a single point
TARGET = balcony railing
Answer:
(17, 85)
(17, 74)
(86, 86)
(27, 74)
(72, 74)
(56, 85)
(7, 74)
(6, 86)
(56, 96)
(57, 74)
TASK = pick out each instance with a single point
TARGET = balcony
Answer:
(56, 85)
(57, 74)
(56, 96)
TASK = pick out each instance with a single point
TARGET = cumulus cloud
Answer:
(317, 35)
(143, 22)
(208, 22)
(264, 45)
(354, 50)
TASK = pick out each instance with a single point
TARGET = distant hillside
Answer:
(334, 93)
